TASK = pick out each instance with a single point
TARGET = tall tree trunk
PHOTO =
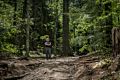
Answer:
(27, 40)
(34, 12)
(55, 28)
(109, 22)
(15, 9)
(116, 36)
(66, 46)
(14, 22)
(26, 17)
(115, 41)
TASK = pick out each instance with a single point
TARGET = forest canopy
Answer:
(74, 26)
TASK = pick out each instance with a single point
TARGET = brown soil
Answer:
(67, 68)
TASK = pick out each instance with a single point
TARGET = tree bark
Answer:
(116, 41)
(56, 28)
(109, 21)
(15, 9)
(66, 46)
(26, 17)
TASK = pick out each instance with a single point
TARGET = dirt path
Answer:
(67, 68)
(55, 69)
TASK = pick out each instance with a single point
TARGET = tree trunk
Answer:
(26, 17)
(34, 13)
(116, 41)
(15, 9)
(66, 46)
(109, 22)
(55, 28)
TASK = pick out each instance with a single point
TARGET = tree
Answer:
(26, 17)
(66, 46)
(15, 9)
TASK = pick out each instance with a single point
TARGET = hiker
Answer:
(48, 48)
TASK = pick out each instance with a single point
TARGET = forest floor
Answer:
(65, 68)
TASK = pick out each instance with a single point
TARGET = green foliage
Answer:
(7, 30)
(44, 37)
(10, 48)
(88, 24)
(85, 47)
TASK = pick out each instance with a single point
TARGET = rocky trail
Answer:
(59, 69)
(67, 68)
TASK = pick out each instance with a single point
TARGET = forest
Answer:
(84, 38)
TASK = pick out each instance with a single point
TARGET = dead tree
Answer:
(115, 41)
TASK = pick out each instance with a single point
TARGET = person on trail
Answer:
(48, 48)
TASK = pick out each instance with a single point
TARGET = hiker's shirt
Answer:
(48, 44)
